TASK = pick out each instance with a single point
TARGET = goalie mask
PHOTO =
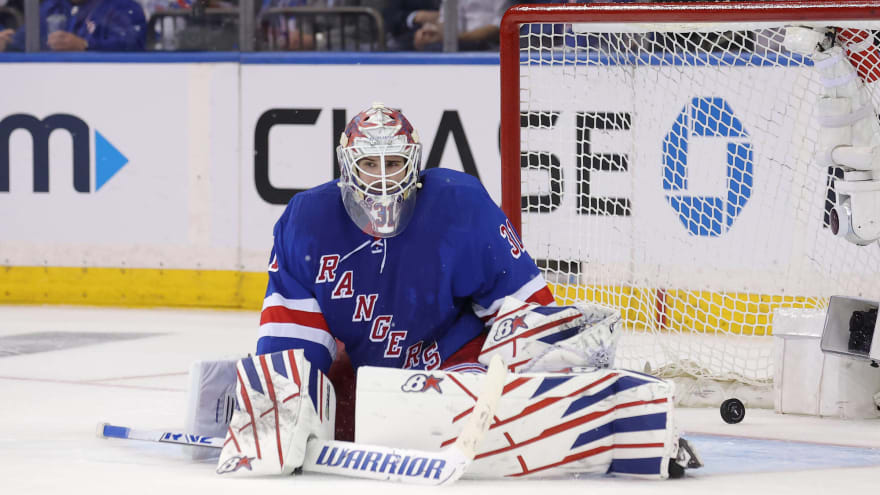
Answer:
(380, 156)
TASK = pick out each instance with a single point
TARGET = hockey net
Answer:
(663, 159)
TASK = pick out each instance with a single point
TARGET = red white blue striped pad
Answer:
(531, 338)
(282, 401)
(546, 424)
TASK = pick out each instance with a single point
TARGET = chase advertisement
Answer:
(189, 165)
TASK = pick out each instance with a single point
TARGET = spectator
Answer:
(404, 17)
(479, 22)
(331, 31)
(13, 4)
(8, 16)
(282, 31)
(200, 30)
(152, 6)
(80, 25)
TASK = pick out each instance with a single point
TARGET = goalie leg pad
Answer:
(546, 425)
(283, 401)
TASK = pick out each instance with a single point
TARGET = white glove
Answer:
(551, 338)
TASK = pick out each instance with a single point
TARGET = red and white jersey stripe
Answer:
(296, 319)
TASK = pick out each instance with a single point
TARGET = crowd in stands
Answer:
(280, 25)
(80, 25)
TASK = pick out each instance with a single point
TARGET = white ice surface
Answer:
(52, 402)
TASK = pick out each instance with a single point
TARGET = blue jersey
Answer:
(409, 301)
(107, 25)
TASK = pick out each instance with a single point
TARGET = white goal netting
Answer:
(671, 170)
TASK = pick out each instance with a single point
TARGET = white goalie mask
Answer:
(380, 157)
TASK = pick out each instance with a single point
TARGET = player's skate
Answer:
(686, 457)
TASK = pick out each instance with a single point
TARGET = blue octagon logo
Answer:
(708, 216)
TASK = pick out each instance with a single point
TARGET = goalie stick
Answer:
(367, 461)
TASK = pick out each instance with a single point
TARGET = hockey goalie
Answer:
(415, 278)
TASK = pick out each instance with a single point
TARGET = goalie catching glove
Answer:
(532, 338)
(282, 402)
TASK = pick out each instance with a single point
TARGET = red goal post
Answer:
(761, 244)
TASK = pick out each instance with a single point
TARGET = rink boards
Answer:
(161, 181)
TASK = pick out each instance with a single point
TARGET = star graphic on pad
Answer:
(245, 462)
(518, 322)
(235, 463)
(433, 382)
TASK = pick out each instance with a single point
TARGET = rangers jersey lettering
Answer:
(409, 301)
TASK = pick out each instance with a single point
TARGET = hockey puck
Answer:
(733, 411)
